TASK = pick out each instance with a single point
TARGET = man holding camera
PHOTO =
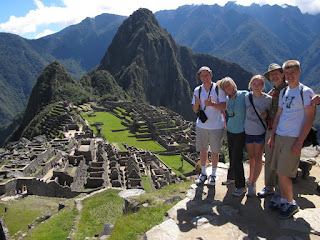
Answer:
(208, 102)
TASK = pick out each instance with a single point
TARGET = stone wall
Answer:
(38, 187)
(80, 176)
(38, 161)
(49, 165)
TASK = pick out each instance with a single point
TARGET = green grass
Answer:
(101, 208)
(133, 226)
(174, 162)
(58, 227)
(111, 122)
(28, 209)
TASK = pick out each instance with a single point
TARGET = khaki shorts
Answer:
(283, 160)
(206, 137)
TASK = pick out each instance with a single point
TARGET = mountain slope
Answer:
(19, 67)
(251, 36)
(150, 66)
(80, 47)
(54, 84)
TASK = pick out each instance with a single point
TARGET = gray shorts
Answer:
(206, 137)
(283, 160)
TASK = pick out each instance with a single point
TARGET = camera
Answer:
(202, 116)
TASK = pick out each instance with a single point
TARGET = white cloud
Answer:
(46, 32)
(76, 10)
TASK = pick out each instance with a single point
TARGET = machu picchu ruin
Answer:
(81, 162)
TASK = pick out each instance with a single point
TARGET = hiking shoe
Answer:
(228, 181)
(212, 180)
(239, 192)
(248, 182)
(251, 191)
(275, 198)
(276, 206)
(265, 192)
(288, 210)
(202, 178)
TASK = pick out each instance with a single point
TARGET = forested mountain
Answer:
(53, 85)
(79, 48)
(252, 36)
(150, 66)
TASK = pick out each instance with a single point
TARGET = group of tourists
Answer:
(276, 124)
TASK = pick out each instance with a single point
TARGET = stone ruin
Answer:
(82, 163)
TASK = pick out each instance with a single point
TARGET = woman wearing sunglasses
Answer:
(235, 114)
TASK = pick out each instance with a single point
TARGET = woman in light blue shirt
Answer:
(236, 114)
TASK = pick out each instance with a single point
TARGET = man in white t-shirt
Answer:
(212, 101)
(291, 126)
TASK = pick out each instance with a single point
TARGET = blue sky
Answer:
(36, 18)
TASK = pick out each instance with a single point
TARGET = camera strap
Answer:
(208, 94)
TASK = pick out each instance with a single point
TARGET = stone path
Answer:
(214, 213)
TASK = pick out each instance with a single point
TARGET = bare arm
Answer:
(315, 99)
(310, 116)
(196, 105)
(220, 106)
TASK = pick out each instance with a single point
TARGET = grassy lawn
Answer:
(133, 226)
(174, 162)
(111, 122)
(101, 208)
(29, 209)
(58, 227)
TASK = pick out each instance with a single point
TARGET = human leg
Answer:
(215, 141)
(250, 149)
(269, 174)
(237, 157)
(202, 144)
(258, 151)
(231, 140)
(286, 187)
(287, 164)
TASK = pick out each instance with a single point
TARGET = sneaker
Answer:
(202, 178)
(288, 210)
(239, 192)
(228, 181)
(248, 182)
(275, 198)
(251, 191)
(265, 192)
(276, 206)
(212, 180)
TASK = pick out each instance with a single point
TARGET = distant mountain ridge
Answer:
(143, 64)
(251, 36)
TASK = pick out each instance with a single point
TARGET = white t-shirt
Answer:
(215, 117)
(293, 115)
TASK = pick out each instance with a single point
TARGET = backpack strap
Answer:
(301, 93)
(208, 94)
